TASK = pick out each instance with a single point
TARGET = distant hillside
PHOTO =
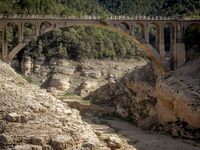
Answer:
(89, 7)
(153, 7)
(54, 7)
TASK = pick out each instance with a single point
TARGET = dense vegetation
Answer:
(54, 7)
(119, 7)
(153, 7)
(84, 42)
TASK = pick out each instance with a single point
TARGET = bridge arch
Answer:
(153, 55)
(192, 41)
(44, 26)
(28, 29)
(12, 34)
(139, 31)
(125, 25)
(154, 35)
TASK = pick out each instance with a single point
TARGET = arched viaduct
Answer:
(124, 25)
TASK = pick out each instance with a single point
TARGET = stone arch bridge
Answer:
(124, 25)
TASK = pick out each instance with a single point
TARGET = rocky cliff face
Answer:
(170, 103)
(132, 96)
(178, 105)
(33, 119)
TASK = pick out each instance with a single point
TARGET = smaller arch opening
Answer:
(124, 27)
(28, 30)
(12, 35)
(44, 25)
(153, 36)
(192, 41)
(138, 31)
(168, 39)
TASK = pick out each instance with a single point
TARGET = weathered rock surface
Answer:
(132, 96)
(49, 122)
(170, 103)
(178, 96)
(59, 81)
(63, 70)
(26, 65)
(86, 87)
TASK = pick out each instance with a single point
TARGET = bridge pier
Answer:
(146, 32)
(4, 44)
(161, 42)
(21, 32)
(180, 54)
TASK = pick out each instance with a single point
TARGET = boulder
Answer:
(27, 147)
(63, 62)
(63, 70)
(86, 87)
(114, 142)
(95, 74)
(62, 142)
(92, 74)
(39, 61)
(13, 117)
(37, 141)
(59, 81)
(26, 65)
(5, 140)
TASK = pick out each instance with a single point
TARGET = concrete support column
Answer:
(161, 41)
(21, 32)
(173, 46)
(37, 29)
(146, 32)
(132, 33)
(4, 44)
(180, 46)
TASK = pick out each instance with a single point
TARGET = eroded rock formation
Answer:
(30, 118)
(170, 103)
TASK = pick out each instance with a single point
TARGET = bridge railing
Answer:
(137, 17)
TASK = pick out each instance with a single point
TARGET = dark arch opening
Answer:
(28, 30)
(167, 32)
(138, 31)
(153, 36)
(12, 35)
(44, 25)
(192, 41)
(168, 40)
(124, 27)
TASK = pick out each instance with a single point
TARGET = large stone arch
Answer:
(152, 54)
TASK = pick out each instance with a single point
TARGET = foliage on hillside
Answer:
(84, 42)
(153, 7)
(94, 7)
(51, 7)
